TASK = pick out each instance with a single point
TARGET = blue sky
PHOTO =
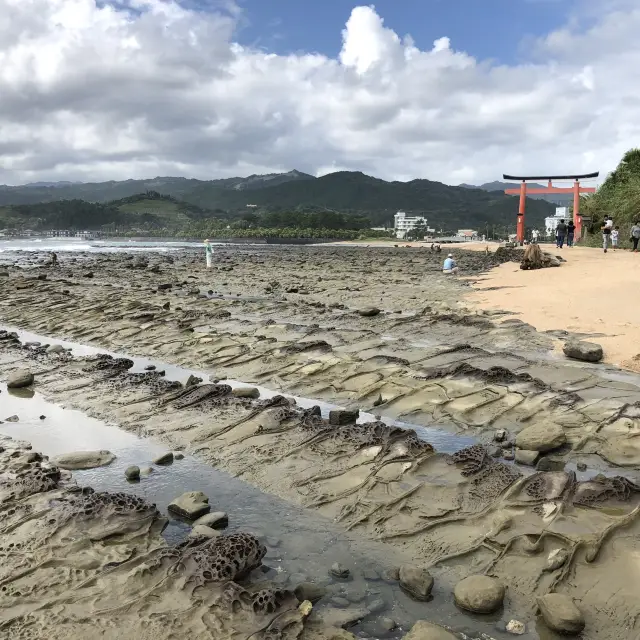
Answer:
(495, 29)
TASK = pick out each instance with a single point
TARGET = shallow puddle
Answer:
(301, 545)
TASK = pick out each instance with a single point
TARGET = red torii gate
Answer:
(576, 189)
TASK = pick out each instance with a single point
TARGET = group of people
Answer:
(565, 231)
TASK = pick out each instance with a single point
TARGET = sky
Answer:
(449, 90)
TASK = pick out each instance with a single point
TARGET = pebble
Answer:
(581, 466)
(377, 606)
(338, 571)
(43, 417)
(310, 591)
(132, 473)
(178, 456)
(165, 458)
(516, 627)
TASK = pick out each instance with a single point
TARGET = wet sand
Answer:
(300, 325)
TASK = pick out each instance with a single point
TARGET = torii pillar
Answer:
(576, 189)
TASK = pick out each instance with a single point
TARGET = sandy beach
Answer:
(593, 293)
(393, 401)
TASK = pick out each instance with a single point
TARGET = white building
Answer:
(467, 234)
(551, 223)
(403, 223)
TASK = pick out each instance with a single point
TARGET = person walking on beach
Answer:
(208, 251)
(607, 228)
(450, 267)
(615, 233)
(571, 230)
(561, 232)
(635, 235)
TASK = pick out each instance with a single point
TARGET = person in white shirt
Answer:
(607, 227)
(615, 233)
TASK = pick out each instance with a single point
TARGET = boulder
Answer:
(20, 378)
(479, 594)
(202, 531)
(368, 312)
(56, 348)
(584, 351)
(524, 456)
(416, 581)
(422, 630)
(543, 436)
(215, 520)
(191, 505)
(84, 460)
(246, 392)
(561, 614)
(341, 417)
(132, 473)
(165, 458)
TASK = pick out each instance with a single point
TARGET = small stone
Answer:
(342, 417)
(338, 571)
(202, 531)
(387, 624)
(581, 466)
(246, 392)
(377, 606)
(150, 367)
(339, 602)
(550, 464)
(368, 312)
(479, 594)
(165, 286)
(556, 559)
(310, 591)
(146, 471)
(56, 348)
(391, 575)
(561, 614)
(526, 457)
(192, 381)
(12, 419)
(516, 627)
(215, 520)
(509, 455)
(543, 436)
(178, 455)
(584, 351)
(416, 581)
(132, 473)
(423, 630)
(19, 379)
(495, 451)
(43, 417)
(164, 459)
(191, 505)
(500, 435)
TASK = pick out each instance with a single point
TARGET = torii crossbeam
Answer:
(576, 189)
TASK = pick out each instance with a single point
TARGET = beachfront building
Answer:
(467, 234)
(551, 223)
(402, 223)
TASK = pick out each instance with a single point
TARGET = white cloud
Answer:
(140, 88)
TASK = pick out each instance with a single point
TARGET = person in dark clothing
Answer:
(571, 229)
(635, 236)
(561, 234)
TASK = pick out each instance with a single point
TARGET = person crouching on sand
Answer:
(450, 266)
(208, 252)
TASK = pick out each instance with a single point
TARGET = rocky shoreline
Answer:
(403, 347)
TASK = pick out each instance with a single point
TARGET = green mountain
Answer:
(285, 196)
